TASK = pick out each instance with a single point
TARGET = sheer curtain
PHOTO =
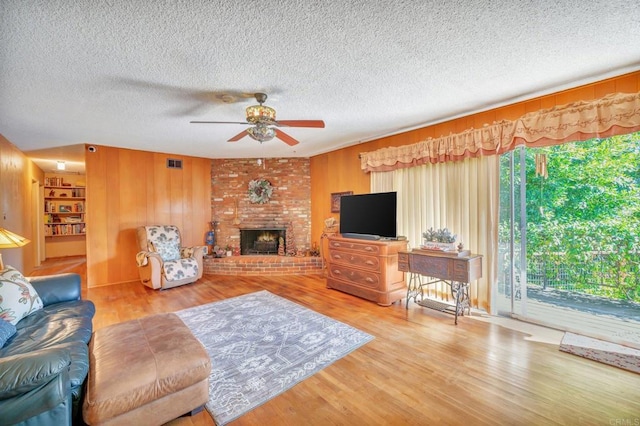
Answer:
(462, 196)
(382, 182)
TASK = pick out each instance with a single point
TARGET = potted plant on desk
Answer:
(440, 239)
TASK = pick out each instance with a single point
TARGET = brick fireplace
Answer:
(290, 203)
(288, 210)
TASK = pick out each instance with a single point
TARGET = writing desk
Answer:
(455, 269)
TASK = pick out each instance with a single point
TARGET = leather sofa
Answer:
(43, 367)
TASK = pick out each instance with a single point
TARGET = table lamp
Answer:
(10, 240)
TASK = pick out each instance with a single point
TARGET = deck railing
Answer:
(613, 275)
(610, 274)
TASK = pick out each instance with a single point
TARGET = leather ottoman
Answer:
(145, 371)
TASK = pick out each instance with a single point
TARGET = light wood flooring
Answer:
(420, 369)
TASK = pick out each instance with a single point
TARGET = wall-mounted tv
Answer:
(370, 216)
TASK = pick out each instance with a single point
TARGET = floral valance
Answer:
(611, 115)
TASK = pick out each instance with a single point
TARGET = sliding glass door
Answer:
(569, 247)
(511, 297)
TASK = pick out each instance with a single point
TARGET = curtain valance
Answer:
(611, 115)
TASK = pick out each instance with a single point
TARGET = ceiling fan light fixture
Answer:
(261, 133)
(260, 114)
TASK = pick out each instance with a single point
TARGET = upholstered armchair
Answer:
(163, 262)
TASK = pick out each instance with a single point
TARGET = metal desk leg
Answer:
(414, 287)
(460, 293)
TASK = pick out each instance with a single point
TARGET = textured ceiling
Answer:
(133, 73)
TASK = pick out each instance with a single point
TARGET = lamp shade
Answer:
(8, 239)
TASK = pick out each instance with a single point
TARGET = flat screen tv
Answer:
(370, 216)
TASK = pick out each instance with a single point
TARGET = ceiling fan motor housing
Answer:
(260, 114)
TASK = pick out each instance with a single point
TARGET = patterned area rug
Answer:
(261, 345)
(601, 351)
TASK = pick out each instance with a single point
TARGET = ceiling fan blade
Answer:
(218, 122)
(238, 136)
(286, 138)
(300, 123)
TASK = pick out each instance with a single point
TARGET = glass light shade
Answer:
(8, 239)
(260, 114)
(261, 133)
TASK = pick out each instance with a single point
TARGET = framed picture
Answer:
(335, 200)
(65, 209)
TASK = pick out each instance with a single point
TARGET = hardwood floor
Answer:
(420, 369)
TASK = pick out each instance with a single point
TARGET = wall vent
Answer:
(173, 163)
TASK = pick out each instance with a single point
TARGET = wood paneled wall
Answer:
(340, 171)
(129, 188)
(18, 174)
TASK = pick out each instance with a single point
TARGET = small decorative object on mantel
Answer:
(280, 246)
(330, 225)
(260, 191)
(440, 239)
(291, 241)
(218, 252)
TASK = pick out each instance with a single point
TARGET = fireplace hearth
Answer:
(261, 240)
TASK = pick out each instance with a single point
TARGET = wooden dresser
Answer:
(367, 269)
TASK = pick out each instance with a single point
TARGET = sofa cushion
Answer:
(18, 298)
(168, 250)
(54, 325)
(59, 311)
(6, 331)
(180, 269)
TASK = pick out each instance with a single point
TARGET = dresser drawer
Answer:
(460, 271)
(356, 276)
(357, 247)
(437, 267)
(356, 260)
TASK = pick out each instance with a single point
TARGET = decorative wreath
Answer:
(260, 191)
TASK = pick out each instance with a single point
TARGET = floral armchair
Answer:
(163, 262)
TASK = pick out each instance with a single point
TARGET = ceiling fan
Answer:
(263, 119)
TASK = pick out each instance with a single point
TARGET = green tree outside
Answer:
(583, 220)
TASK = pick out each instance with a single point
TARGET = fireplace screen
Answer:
(261, 241)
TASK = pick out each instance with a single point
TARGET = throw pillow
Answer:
(18, 298)
(167, 249)
(6, 331)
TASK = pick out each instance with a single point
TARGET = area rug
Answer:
(601, 351)
(261, 345)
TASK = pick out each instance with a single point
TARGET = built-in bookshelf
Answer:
(64, 208)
